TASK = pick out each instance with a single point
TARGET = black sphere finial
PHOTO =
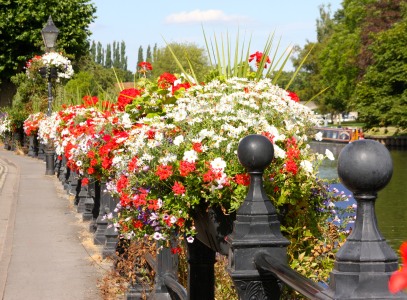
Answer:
(255, 152)
(365, 166)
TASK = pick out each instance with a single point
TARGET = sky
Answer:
(150, 22)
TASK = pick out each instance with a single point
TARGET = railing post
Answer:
(166, 265)
(201, 271)
(256, 227)
(365, 262)
(101, 221)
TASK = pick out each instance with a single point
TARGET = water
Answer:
(391, 204)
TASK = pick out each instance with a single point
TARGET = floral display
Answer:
(172, 164)
(167, 149)
(49, 60)
(5, 124)
(32, 123)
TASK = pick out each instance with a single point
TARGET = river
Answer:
(391, 204)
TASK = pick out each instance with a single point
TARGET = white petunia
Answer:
(190, 156)
(307, 166)
(178, 140)
(318, 136)
(218, 164)
(329, 154)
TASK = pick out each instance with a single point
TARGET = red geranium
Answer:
(126, 97)
(163, 172)
(293, 96)
(258, 57)
(178, 188)
(166, 80)
(145, 65)
(398, 280)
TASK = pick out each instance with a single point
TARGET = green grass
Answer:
(386, 131)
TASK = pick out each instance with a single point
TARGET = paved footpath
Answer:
(42, 249)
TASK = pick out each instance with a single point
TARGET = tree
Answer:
(140, 57)
(108, 59)
(380, 16)
(21, 23)
(149, 57)
(100, 54)
(165, 61)
(381, 96)
(123, 57)
(310, 81)
(93, 51)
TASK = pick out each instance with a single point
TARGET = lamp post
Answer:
(49, 35)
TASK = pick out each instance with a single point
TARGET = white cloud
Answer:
(198, 16)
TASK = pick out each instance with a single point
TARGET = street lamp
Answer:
(49, 35)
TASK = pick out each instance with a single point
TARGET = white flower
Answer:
(190, 239)
(318, 136)
(158, 236)
(218, 164)
(178, 140)
(307, 166)
(190, 156)
(79, 163)
(278, 152)
(329, 154)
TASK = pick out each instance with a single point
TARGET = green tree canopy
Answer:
(21, 22)
(165, 62)
(381, 96)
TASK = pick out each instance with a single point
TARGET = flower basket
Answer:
(213, 226)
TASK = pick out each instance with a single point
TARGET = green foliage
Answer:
(188, 54)
(381, 97)
(21, 28)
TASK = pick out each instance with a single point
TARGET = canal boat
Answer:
(339, 135)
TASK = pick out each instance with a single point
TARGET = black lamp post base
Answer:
(50, 161)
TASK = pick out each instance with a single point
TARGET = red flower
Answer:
(269, 136)
(89, 100)
(85, 181)
(197, 147)
(151, 134)
(106, 163)
(137, 224)
(185, 85)
(166, 80)
(127, 96)
(398, 280)
(163, 171)
(153, 205)
(293, 153)
(122, 183)
(291, 167)
(178, 188)
(124, 200)
(91, 170)
(293, 96)
(176, 250)
(133, 164)
(186, 167)
(258, 56)
(180, 222)
(243, 179)
(145, 65)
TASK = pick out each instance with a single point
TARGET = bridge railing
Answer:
(258, 262)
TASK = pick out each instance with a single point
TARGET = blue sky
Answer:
(143, 23)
